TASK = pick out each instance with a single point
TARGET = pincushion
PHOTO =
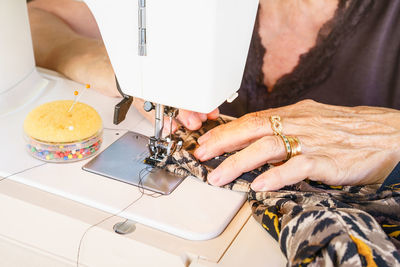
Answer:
(54, 133)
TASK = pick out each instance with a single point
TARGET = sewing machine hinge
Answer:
(142, 51)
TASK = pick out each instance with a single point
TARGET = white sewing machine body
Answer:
(195, 50)
(181, 54)
(17, 63)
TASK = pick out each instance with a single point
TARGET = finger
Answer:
(266, 149)
(202, 116)
(295, 170)
(166, 129)
(213, 115)
(189, 119)
(232, 136)
(254, 122)
(239, 133)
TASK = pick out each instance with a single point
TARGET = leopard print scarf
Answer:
(315, 224)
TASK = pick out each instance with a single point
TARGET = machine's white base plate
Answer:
(194, 211)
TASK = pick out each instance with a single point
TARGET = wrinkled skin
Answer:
(340, 145)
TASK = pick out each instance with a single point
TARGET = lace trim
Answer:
(314, 67)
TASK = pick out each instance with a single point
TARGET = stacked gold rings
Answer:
(292, 143)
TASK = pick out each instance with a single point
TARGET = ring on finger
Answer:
(276, 124)
(292, 143)
(292, 146)
(288, 147)
(295, 145)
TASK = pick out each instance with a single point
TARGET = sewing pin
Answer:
(79, 96)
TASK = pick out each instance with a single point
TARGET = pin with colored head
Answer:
(78, 96)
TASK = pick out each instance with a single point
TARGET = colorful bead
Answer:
(64, 153)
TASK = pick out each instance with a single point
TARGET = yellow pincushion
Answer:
(51, 122)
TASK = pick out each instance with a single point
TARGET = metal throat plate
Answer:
(124, 161)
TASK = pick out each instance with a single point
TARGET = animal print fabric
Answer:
(315, 224)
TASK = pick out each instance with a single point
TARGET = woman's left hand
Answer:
(340, 145)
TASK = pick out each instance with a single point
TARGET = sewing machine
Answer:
(179, 48)
(174, 54)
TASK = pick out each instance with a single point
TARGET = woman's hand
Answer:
(189, 119)
(193, 120)
(340, 145)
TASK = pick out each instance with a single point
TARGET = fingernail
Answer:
(258, 185)
(203, 117)
(214, 177)
(200, 152)
(187, 123)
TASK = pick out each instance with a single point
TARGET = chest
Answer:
(286, 41)
(282, 56)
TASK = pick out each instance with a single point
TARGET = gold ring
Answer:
(292, 143)
(276, 124)
(288, 147)
(295, 146)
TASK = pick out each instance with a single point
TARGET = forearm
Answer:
(49, 35)
(75, 14)
(58, 47)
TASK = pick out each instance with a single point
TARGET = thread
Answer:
(142, 175)
(24, 170)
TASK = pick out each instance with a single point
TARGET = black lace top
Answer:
(356, 61)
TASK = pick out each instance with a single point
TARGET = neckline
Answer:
(314, 66)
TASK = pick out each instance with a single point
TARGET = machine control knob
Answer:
(148, 106)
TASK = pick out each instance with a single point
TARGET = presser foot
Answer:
(161, 148)
(129, 160)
